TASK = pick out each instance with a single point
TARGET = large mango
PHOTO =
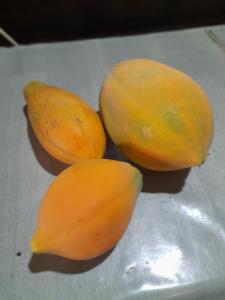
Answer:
(86, 209)
(66, 126)
(158, 116)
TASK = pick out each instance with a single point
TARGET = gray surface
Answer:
(175, 245)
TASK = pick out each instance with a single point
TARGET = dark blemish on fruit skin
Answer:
(19, 253)
(78, 120)
(54, 123)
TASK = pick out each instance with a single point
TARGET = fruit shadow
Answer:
(170, 182)
(49, 262)
(50, 164)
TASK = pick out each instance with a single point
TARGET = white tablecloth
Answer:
(174, 247)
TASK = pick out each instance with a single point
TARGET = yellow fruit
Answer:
(159, 117)
(86, 209)
(66, 126)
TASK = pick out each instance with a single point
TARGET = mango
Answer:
(87, 209)
(159, 117)
(65, 125)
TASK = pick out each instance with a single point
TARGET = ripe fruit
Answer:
(86, 209)
(66, 126)
(159, 117)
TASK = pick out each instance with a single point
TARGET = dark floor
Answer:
(38, 21)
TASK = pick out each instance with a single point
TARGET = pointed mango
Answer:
(87, 209)
(65, 125)
(164, 120)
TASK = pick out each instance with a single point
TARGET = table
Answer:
(174, 247)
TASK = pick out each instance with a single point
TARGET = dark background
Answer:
(46, 21)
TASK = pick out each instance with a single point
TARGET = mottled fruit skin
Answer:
(86, 209)
(158, 116)
(66, 126)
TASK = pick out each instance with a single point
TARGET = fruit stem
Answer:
(34, 246)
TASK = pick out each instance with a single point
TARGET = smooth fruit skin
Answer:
(65, 125)
(86, 209)
(159, 117)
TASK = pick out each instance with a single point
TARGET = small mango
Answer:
(158, 116)
(87, 209)
(65, 125)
